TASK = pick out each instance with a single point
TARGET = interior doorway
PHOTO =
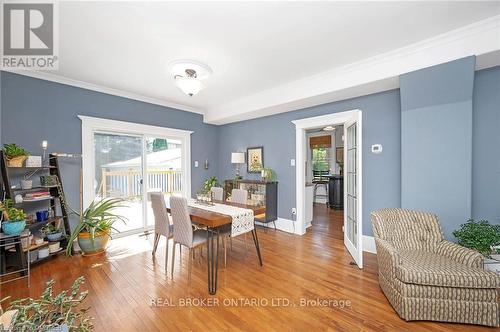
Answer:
(319, 170)
(324, 179)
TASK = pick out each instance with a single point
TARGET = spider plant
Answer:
(97, 220)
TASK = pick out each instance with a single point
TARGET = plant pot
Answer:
(16, 161)
(13, 227)
(59, 328)
(93, 247)
(495, 257)
(43, 252)
(54, 247)
(54, 236)
(26, 184)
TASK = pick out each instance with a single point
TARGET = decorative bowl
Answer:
(54, 236)
(13, 227)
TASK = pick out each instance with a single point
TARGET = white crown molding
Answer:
(375, 74)
(110, 91)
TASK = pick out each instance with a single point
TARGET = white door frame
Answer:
(92, 124)
(300, 156)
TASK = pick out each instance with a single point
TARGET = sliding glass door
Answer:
(163, 169)
(131, 166)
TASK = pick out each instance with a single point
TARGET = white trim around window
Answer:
(92, 124)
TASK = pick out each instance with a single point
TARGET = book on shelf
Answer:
(37, 195)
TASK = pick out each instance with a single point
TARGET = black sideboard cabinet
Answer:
(260, 193)
(336, 191)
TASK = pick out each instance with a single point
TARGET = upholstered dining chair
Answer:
(217, 193)
(238, 196)
(162, 222)
(184, 235)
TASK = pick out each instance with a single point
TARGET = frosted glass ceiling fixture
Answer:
(188, 75)
(329, 128)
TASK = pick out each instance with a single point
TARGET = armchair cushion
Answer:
(427, 268)
(460, 254)
(407, 229)
(387, 257)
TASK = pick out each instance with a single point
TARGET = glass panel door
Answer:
(118, 173)
(352, 189)
(163, 168)
(351, 185)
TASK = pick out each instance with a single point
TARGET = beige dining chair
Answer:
(183, 231)
(217, 193)
(162, 222)
(238, 196)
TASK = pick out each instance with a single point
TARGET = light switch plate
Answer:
(196, 163)
(377, 148)
(292, 162)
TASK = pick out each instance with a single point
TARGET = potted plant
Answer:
(15, 155)
(14, 220)
(49, 313)
(210, 182)
(93, 230)
(479, 236)
(52, 232)
(268, 174)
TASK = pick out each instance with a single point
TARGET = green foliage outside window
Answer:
(320, 159)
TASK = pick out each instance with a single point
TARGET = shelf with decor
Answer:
(44, 197)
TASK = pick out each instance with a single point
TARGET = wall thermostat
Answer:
(377, 148)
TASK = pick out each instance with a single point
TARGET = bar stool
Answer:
(319, 180)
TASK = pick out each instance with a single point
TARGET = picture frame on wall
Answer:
(339, 155)
(255, 161)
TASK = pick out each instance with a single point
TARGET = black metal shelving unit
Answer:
(59, 212)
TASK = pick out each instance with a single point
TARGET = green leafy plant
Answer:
(13, 150)
(10, 213)
(479, 236)
(52, 311)
(268, 174)
(97, 218)
(210, 182)
(50, 229)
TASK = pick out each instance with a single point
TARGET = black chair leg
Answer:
(257, 247)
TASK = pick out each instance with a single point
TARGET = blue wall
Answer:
(381, 173)
(486, 146)
(436, 141)
(32, 110)
(35, 109)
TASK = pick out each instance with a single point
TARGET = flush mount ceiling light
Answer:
(188, 74)
(329, 128)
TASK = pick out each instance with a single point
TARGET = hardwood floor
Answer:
(125, 282)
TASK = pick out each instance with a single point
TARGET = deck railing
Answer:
(127, 183)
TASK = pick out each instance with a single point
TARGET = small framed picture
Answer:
(255, 161)
(339, 155)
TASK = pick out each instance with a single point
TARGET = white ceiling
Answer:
(251, 47)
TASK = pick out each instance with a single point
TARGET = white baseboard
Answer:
(369, 244)
(282, 224)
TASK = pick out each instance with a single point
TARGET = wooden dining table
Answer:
(214, 221)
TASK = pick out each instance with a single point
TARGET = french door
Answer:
(352, 189)
(129, 162)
